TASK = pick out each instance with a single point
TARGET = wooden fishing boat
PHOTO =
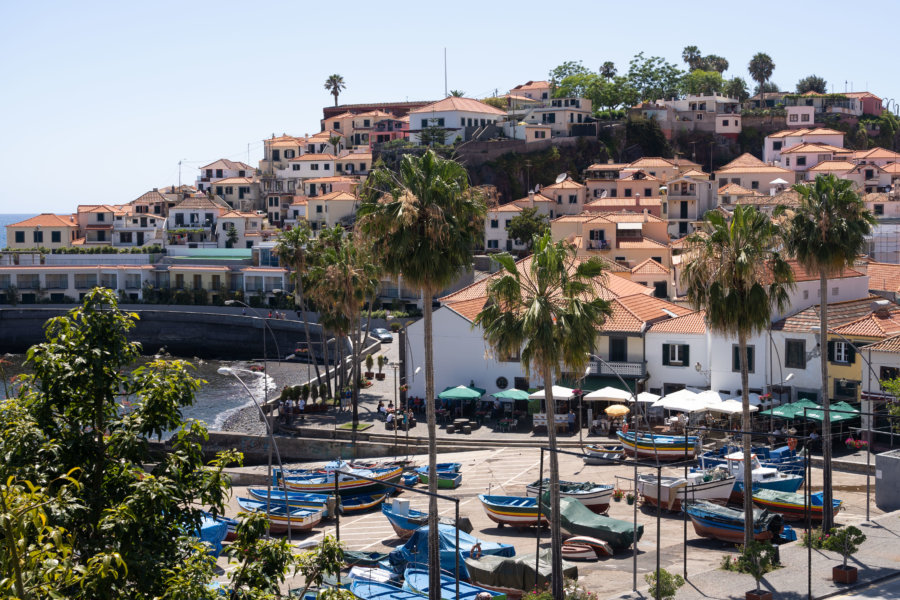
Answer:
(301, 519)
(782, 458)
(410, 479)
(595, 496)
(348, 483)
(232, 527)
(582, 547)
(447, 480)
(416, 580)
(713, 485)
(355, 504)
(659, 447)
(366, 589)
(727, 524)
(406, 520)
(763, 477)
(516, 511)
(297, 499)
(602, 454)
(792, 506)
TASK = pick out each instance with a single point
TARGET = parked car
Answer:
(382, 335)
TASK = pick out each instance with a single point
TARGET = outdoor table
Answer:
(503, 424)
(442, 414)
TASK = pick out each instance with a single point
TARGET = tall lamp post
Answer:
(233, 372)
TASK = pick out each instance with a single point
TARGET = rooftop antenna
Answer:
(562, 177)
(445, 72)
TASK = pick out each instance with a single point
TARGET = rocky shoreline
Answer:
(244, 420)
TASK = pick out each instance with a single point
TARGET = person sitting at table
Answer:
(389, 421)
(380, 409)
(390, 407)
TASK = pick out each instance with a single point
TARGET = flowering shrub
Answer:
(853, 444)
(818, 538)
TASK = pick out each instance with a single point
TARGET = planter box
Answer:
(842, 574)
(760, 595)
(380, 376)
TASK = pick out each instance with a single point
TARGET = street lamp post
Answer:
(396, 366)
(233, 372)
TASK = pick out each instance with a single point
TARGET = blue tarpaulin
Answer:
(213, 532)
(415, 550)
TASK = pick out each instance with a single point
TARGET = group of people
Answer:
(277, 315)
(288, 408)
(392, 416)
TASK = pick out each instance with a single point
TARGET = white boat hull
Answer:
(673, 490)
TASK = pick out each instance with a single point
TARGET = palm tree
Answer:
(335, 141)
(608, 70)
(424, 222)
(826, 233)
(737, 275)
(691, 56)
(546, 308)
(335, 85)
(292, 250)
(457, 93)
(761, 67)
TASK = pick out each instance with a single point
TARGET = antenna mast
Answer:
(445, 72)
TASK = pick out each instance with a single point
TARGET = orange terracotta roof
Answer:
(891, 344)
(693, 323)
(884, 277)
(733, 189)
(875, 325)
(46, 220)
(892, 168)
(568, 184)
(632, 313)
(506, 208)
(649, 267)
(839, 314)
(236, 181)
(694, 173)
(801, 274)
(833, 165)
(651, 162)
(313, 156)
(607, 167)
(608, 204)
(626, 216)
(224, 163)
(326, 135)
(801, 132)
(236, 214)
(744, 160)
(356, 156)
(813, 147)
(526, 201)
(333, 179)
(533, 85)
(876, 153)
(335, 196)
(643, 244)
(642, 177)
(579, 218)
(461, 104)
(756, 169)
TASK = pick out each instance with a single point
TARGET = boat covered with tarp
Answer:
(515, 575)
(367, 589)
(415, 550)
(727, 524)
(792, 506)
(576, 519)
(406, 520)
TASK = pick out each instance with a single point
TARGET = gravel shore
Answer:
(245, 420)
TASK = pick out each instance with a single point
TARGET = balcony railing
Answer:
(598, 245)
(624, 369)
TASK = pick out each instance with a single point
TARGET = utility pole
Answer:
(445, 72)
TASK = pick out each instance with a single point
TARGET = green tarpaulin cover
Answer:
(577, 519)
(516, 572)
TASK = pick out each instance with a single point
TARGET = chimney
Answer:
(881, 308)
(531, 198)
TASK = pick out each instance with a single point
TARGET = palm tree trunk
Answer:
(746, 426)
(309, 348)
(556, 573)
(827, 516)
(327, 365)
(434, 556)
(354, 381)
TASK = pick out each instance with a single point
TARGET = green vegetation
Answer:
(335, 85)
(527, 225)
(845, 541)
(696, 61)
(812, 83)
(755, 559)
(666, 587)
(154, 249)
(761, 67)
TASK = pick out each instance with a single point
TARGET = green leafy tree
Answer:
(845, 541)
(713, 62)
(691, 56)
(702, 82)
(826, 233)
(769, 87)
(335, 85)
(761, 67)
(527, 225)
(812, 83)
(335, 141)
(738, 277)
(424, 222)
(653, 77)
(566, 69)
(611, 95)
(576, 85)
(647, 134)
(457, 93)
(736, 87)
(608, 70)
(496, 102)
(548, 309)
(757, 559)
(666, 587)
(232, 236)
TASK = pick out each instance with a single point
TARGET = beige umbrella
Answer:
(617, 410)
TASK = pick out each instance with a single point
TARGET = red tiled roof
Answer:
(891, 344)
(46, 220)
(632, 313)
(876, 325)
(693, 323)
(839, 314)
(649, 267)
(884, 277)
(462, 104)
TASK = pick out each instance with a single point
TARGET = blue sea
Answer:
(9, 219)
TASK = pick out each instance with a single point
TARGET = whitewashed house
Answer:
(454, 117)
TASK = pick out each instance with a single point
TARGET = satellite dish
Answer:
(604, 194)
(562, 177)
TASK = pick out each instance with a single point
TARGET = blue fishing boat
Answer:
(448, 480)
(764, 478)
(406, 520)
(783, 458)
(415, 550)
(348, 482)
(416, 580)
(355, 504)
(659, 447)
(298, 499)
(727, 524)
(410, 479)
(298, 519)
(366, 589)
(516, 511)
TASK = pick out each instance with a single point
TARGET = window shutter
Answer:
(665, 354)
(685, 354)
(735, 358)
(750, 360)
(851, 354)
(830, 351)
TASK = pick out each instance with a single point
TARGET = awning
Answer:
(461, 392)
(637, 226)
(558, 392)
(609, 394)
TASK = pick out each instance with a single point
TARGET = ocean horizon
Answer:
(9, 219)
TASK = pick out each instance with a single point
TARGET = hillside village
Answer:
(214, 240)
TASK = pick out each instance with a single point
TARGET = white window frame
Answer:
(675, 354)
(841, 352)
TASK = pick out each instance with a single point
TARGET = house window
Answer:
(495, 223)
(319, 208)
(101, 217)
(890, 373)
(573, 199)
(647, 192)
(219, 173)
(296, 167)
(845, 389)
(793, 118)
(559, 199)
(493, 244)
(801, 161)
(628, 192)
(841, 352)
(724, 122)
(618, 349)
(787, 161)
(55, 237)
(38, 237)
(125, 237)
(754, 185)
(506, 224)
(314, 167)
(806, 294)
(795, 354)
(804, 118)
(424, 123)
(736, 359)
(326, 167)
(229, 190)
(676, 355)
(879, 209)
(276, 155)
(289, 154)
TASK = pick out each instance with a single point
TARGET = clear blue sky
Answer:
(100, 100)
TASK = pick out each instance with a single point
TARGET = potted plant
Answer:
(666, 587)
(404, 388)
(395, 327)
(382, 361)
(617, 495)
(629, 498)
(757, 559)
(845, 541)
(370, 362)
